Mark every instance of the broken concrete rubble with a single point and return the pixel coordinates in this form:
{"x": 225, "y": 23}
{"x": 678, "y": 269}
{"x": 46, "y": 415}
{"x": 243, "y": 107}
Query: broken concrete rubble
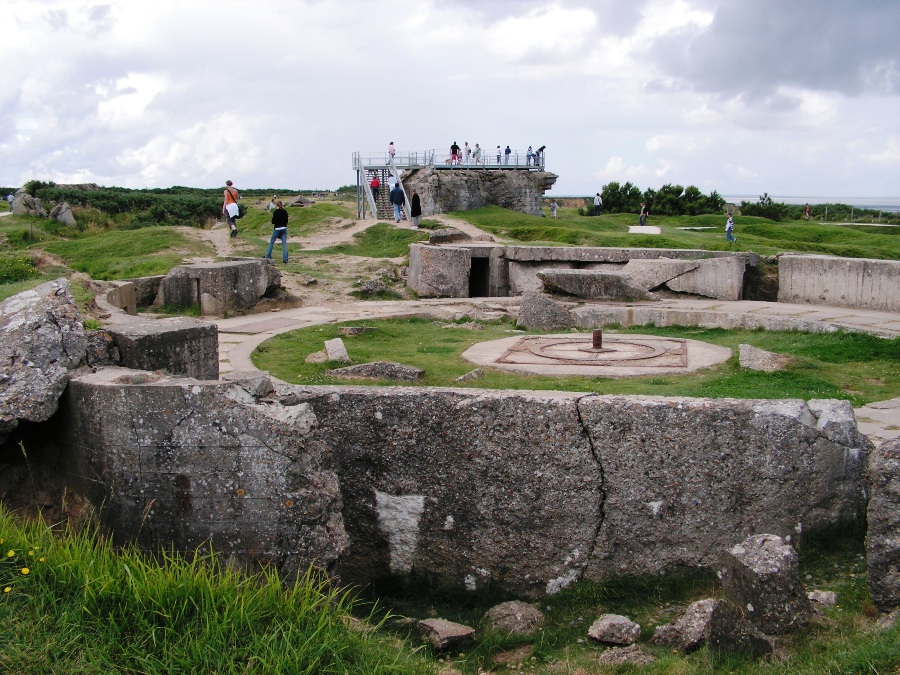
{"x": 219, "y": 288}
{"x": 761, "y": 575}
{"x": 43, "y": 342}
{"x": 614, "y": 629}
{"x": 883, "y": 536}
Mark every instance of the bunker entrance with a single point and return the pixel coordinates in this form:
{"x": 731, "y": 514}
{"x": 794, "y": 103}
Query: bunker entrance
{"x": 479, "y": 275}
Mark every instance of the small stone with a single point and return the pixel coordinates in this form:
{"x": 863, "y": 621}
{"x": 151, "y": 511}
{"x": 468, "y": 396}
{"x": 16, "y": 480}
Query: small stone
{"x": 614, "y": 629}
{"x": 632, "y": 654}
{"x": 753, "y": 358}
{"x": 823, "y": 598}
{"x": 442, "y": 634}
{"x": 471, "y": 375}
{"x": 336, "y": 351}
{"x": 515, "y": 617}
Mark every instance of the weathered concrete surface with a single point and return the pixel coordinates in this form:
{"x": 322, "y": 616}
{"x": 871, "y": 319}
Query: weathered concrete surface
{"x": 442, "y": 634}
{"x": 721, "y": 278}
{"x": 176, "y": 463}
{"x": 650, "y": 274}
{"x": 754, "y": 358}
{"x": 761, "y": 575}
{"x": 525, "y": 491}
{"x": 541, "y": 312}
{"x": 839, "y": 282}
{"x": 460, "y": 190}
{"x": 177, "y": 345}
{"x": 380, "y": 370}
{"x": 123, "y": 296}
{"x": 592, "y": 285}
{"x": 883, "y": 536}
{"x": 41, "y": 342}
{"x": 471, "y": 488}
{"x": 439, "y": 272}
{"x": 684, "y": 478}
{"x": 614, "y": 629}
{"x": 219, "y": 288}
{"x": 523, "y": 277}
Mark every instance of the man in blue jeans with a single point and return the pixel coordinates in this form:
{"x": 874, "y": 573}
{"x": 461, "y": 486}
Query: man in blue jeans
{"x": 397, "y": 200}
{"x": 279, "y": 231}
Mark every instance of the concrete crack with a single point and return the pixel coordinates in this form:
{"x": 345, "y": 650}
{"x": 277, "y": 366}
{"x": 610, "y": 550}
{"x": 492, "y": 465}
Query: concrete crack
{"x": 601, "y": 516}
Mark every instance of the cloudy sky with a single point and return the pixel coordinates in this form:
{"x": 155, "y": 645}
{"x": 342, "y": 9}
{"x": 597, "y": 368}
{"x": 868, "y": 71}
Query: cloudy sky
{"x": 792, "y": 97}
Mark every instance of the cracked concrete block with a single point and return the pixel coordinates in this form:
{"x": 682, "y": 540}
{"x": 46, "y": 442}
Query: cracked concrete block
{"x": 684, "y": 478}
{"x": 177, "y": 345}
{"x": 177, "y": 464}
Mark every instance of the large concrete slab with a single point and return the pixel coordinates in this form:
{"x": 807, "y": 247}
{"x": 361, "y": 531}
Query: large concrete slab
{"x": 839, "y": 282}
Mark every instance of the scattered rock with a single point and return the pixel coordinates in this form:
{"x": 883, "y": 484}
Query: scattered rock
{"x": 614, "y": 629}
{"x": 761, "y": 575}
{"x": 539, "y": 311}
{"x": 883, "y": 536}
{"x": 688, "y": 632}
{"x": 336, "y": 351}
{"x": 632, "y": 654}
{"x": 447, "y": 235}
{"x": 255, "y": 383}
{"x": 442, "y": 634}
{"x": 518, "y": 618}
{"x": 305, "y": 280}
{"x": 888, "y": 621}
{"x": 471, "y": 375}
{"x": 380, "y": 370}
{"x": 63, "y": 214}
{"x": 26, "y": 205}
{"x": 317, "y": 357}
{"x": 730, "y": 633}
{"x": 823, "y": 598}
{"x": 468, "y": 325}
{"x": 372, "y": 286}
{"x": 41, "y": 341}
{"x": 350, "y": 331}
{"x": 753, "y": 358}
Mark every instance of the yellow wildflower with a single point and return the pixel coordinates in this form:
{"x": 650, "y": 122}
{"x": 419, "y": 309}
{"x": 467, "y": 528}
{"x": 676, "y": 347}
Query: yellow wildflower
{"x": 10, "y": 554}
{"x": 7, "y": 589}
{"x": 42, "y": 559}
{"x": 31, "y": 553}
{"x": 25, "y": 570}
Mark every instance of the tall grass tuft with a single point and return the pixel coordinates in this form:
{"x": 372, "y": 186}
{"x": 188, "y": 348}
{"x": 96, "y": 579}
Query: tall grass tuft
{"x": 71, "y": 602}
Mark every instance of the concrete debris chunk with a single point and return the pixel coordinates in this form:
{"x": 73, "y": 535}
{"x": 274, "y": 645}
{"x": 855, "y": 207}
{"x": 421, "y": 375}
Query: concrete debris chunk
{"x": 380, "y": 370}
{"x": 753, "y": 358}
{"x": 618, "y": 656}
{"x": 336, "y": 351}
{"x": 614, "y": 629}
{"x": 761, "y": 576}
{"x": 883, "y": 536}
{"x": 442, "y": 634}
{"x": 516, "y": 617}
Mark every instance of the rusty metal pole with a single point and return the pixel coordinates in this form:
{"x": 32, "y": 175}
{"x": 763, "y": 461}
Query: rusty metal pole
{"x": 597, "y": 339}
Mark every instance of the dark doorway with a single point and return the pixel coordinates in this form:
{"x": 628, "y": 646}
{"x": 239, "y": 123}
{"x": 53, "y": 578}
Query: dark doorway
{"x": 479, "y": 278}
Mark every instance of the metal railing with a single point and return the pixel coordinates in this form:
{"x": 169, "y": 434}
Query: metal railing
{"x": 516, "y": 159}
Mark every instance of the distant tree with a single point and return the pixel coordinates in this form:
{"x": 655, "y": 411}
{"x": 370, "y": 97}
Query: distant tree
{"x": 621, "y": 198}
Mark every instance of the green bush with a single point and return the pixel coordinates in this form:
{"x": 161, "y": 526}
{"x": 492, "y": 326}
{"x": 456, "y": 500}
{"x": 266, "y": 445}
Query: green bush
{"x": 18, "y": 268}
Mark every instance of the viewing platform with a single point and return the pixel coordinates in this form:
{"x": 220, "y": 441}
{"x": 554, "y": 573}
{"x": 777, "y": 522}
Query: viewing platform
{"x": 517, "y": 159}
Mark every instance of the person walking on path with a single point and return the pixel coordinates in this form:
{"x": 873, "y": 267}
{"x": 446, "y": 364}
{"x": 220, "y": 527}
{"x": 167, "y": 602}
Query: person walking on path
{"x": 279, "y": 231}
{"x": 729, "y": 229}
{"x": 415, "y": 209}
{"x": 507, "y": 152}
{"x": 644, "y": 214}
{"x": 807, "y": 212}
{"x": 230, "y": 208}
{"x": 397, "y": 201}
{"x": 374, "y": 185}
{"x": 598, "y": 204}
{"x": 553, "y": 208}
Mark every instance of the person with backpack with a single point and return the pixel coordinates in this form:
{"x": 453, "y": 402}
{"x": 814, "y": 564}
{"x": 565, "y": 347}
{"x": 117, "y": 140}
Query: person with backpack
{"x": 230, "y": 208}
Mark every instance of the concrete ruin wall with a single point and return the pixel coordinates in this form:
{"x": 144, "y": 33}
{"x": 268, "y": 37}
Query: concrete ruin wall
{"x": 527, "y": 491}
{"x": 441, "y": 191}
{"x": 447, "y": 271}
{"x": 178, "y": 345}
{"x": 219, "y": 288}
{"x": 839, "y": 282}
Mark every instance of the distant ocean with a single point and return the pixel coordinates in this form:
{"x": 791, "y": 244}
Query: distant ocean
{"x": 888, "y": 204}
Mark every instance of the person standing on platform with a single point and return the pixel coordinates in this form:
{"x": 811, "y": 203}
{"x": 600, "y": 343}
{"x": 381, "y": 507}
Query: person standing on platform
{"x": 467, "y": 153}
{"x": 499, "y": 153}
{"x": 477, "y": 154}
{"x": 507, "y": 153}
{"x": 454, "y": 153}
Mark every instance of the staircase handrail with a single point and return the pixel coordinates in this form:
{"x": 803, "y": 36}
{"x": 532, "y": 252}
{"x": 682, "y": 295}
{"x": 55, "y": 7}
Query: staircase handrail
{"x": 370, "y": 198}
{"x": 396, "y": 174}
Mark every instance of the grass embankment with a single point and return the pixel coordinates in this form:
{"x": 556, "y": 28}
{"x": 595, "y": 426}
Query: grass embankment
{"x": 71, "y": 603}
{"x": 860, "y": 368}
{"x": 753, "y": 234}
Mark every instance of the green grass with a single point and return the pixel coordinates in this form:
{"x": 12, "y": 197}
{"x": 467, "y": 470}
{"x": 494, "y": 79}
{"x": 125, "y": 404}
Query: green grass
{"x": 128, "y": 253}
{"x": 72, "y": 603}
{"x": 754, "y": 234}
{"x": 843, "y": 641}
{"x": 379, "y": 241}
{"x": 859, "y": 368}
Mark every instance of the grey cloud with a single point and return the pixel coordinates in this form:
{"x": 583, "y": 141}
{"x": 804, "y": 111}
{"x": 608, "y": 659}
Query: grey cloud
{"x": 753, "y": 48}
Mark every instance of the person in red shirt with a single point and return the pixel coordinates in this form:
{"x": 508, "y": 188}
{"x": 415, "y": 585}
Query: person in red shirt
{"x": 375, "y": 184}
